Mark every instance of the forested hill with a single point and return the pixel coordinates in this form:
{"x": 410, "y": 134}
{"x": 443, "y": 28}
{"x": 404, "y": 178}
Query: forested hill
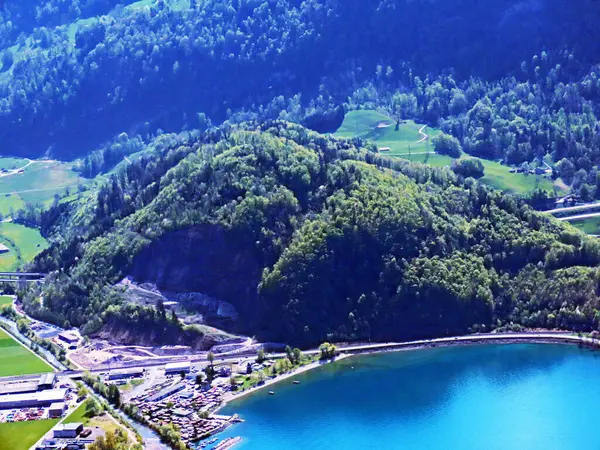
{"x": 312, "y": 238}
{"x": 75, "y": 73}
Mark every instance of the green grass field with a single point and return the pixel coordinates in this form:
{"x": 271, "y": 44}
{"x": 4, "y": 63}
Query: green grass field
{"x": 404, "y": 143}
{"x": 12, "y": 163}
{"x": 401, "y": 142}
{"x": 22, "y": 435}
{"x": 5, "y": 300}
{"x": 499, "y": 177}
{"x": 17, "y": 360}
{"x": 37, "y": 184}
{"x": 78, "y": 415}
{"x": 591, "y": 225}
{"x": 24, "y": 244}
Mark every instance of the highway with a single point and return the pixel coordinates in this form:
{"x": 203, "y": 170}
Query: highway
{"x": 351, "y": 349}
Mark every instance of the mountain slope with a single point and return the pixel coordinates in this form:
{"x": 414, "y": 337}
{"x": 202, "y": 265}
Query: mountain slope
{"x": 314, "y": 238}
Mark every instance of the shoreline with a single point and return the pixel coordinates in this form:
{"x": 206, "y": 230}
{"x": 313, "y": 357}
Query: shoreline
{"x": 475, "y": 339}
{"x": 230, "y": 396}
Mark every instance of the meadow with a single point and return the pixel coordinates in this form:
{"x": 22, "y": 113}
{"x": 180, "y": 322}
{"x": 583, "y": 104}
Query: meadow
{"x": 5, "y": 300}
{"x": 402, "y": 142}
{"x": 23, "y": 435}
{"x": 38, "y": 184}
{"x": 24, "y": 244}
{"x": 103, "y": 421}
{"x": 406, "y": 143}
{"x": 591, "y": 225}
{"x": 18, "y": 360}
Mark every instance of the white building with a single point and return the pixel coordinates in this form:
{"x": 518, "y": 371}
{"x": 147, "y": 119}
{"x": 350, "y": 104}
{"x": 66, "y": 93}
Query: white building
{"x": 33, "y": 400}
{"x": 177, "y": 368}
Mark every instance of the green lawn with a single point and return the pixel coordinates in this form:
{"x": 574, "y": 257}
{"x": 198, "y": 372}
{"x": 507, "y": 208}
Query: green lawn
{"x": 39, "y": 183}
{"x": 78, "y": 415}
{"x": 24, "y": 244}
{"x": 5, "y": 300}
{"x": 591, "y": 225}
{"x": 404, "y": 143}
{"x": 499, "y": 177}
{"x": 22, "y": 435}
{"x": 18, "y": 360}
{"x": 12, "y": 163}
{"x": 401, "y": 142}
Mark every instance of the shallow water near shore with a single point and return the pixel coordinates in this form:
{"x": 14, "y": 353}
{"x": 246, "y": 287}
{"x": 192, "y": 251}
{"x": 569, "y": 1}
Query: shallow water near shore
{"x": 522, "y": 396}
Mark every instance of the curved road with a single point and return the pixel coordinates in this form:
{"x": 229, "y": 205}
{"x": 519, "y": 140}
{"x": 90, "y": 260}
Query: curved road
{"x": 425, "y": 136}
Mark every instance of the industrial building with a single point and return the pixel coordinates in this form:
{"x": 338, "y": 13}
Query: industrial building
{"x": 120, "y": 374}
{"x": 70, "y": 337}
{"x": 21, "y": 387}
{"x": 56, "y": 410}
{"x": 177, "y": 368}
{"x": 167, "y": 392}
{"x": 47, "y": 381}
{"x": 33, "y": 400}
{"x": 67, "y": 430}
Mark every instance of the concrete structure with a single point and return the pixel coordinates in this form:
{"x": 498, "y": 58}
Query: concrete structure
{"x": 47, "y": 381}
{"x": 177, "y": 368}
{"x": 119, "y": 374}
{"x": 33, "y": 400}
{"x": 70, "y": 337}
{"x": 56, "y": 410}
{"x": 67, "y": 430}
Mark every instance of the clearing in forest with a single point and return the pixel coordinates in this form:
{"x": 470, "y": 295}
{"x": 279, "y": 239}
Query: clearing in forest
{"x": 381, "y": 129}
{"x": 407, "y": 142}
{"x": 23, "y": 244}
{"x": 34, "y": 182}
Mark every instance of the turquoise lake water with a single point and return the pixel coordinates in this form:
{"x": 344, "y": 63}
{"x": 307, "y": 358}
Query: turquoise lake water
{"x": 467, "y": 398}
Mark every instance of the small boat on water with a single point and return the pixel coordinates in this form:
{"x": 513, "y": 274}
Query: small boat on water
{"x": 271, "y": 392}
{"x": 296, "y": 382}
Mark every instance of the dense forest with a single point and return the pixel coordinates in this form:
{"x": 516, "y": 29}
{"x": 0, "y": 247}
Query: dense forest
{"x": 77, "y": 75}
{"x": 312, "y": 239}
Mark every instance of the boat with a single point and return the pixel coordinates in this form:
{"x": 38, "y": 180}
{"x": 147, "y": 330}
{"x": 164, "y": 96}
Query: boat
{"x": 271, "y": 392}
{"x": 296, "y": 382}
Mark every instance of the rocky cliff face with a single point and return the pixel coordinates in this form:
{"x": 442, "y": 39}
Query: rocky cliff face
{"x": 206, "y": 259}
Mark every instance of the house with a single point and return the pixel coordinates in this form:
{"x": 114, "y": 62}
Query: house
{"x": 4, "y": 249}
{"x": 67, "y": 430}
{"x": 56, "y": 410}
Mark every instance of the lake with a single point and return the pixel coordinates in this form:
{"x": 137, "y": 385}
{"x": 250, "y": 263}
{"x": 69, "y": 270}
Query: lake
{"x": 525, "y": 396}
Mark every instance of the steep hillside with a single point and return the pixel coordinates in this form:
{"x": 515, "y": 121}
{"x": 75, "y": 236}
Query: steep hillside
{"x": 313, "y": 238}
{"x": 73, "y": 73}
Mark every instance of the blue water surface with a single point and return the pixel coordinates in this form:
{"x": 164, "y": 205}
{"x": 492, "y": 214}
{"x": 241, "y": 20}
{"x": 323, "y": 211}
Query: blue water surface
{"x": 526, "y": 396}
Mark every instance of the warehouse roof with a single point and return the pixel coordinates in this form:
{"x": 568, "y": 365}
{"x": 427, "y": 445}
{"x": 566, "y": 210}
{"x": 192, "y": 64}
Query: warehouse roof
{"x": 178, "y": 365}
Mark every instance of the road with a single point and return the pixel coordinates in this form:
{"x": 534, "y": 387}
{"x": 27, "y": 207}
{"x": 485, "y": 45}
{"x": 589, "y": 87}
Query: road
{"x": 425, "y": 136}
{"x": 40, "y": 190}
{"x": 573, "y": 208}
{"x": 354, "y": 349}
